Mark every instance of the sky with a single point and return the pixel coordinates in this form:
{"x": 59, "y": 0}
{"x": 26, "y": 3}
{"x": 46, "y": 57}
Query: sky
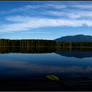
{"x": 44, "y": 19}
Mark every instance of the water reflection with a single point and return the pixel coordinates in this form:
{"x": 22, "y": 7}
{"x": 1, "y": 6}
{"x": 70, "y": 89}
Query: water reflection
{"x": 28, "y": 64}
{"x": 36, "y": 63}
{"x": 77, "y": 54}
{"x": 42, "y": 49}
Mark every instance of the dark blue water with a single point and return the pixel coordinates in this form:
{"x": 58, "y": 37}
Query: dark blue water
{"x": 73, "y": 68}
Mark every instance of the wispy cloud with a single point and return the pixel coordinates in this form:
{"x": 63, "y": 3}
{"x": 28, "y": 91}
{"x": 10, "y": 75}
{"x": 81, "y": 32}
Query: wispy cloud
{"x": 21, "y": 23}
{"x": 85, "y": 6}
{"x": 31, "y": 7}
{"x": 41, "y": 15}
{"x": 71, "y": 14}
{"x": 56, "y": 6}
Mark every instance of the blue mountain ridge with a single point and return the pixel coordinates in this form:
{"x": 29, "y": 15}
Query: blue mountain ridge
{"x": 75, "y": 38}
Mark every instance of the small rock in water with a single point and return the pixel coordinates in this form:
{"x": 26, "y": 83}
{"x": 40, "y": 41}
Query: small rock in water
{"x": 53, "y": 77}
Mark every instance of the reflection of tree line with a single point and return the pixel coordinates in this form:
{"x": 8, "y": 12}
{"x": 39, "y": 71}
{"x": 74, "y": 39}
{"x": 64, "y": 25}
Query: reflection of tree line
{"x": 26, "y": 50}
{"x": 40, "y": 46}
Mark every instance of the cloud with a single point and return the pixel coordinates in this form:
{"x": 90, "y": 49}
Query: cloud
{"x": 84, "y": 6}
{"x": 71, "y": 14}
{"x": 37, "y": 6}
{"x": 23, "y": 23}
{"x": 57, "y": 9}
{"x": 25, "y": 8}
{"x": 56, "y": 6}
{"x": 18, "y": 18}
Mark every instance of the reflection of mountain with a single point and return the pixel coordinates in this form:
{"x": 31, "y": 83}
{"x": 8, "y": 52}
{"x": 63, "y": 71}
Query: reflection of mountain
{"x": 76, "y": 54}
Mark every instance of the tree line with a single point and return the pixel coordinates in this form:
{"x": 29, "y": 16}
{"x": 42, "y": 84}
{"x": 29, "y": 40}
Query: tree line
{"x": 43, "y": 43}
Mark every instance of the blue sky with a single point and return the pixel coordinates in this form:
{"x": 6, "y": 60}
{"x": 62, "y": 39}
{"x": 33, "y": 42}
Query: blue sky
{"x": 44, "y": 19}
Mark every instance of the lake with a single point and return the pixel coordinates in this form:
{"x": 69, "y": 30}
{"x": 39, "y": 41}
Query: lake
{"x": 33, "y": 71}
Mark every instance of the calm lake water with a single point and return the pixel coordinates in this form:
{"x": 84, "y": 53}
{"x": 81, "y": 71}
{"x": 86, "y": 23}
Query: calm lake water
{"x": 29, "y": 71}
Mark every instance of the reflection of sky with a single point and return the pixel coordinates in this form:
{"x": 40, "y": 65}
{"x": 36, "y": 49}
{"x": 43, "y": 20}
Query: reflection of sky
{"x": 19, "y": 64}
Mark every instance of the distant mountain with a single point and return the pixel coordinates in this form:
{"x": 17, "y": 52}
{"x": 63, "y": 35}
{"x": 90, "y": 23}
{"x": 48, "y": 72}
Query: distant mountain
{"x": 75, "y": 38}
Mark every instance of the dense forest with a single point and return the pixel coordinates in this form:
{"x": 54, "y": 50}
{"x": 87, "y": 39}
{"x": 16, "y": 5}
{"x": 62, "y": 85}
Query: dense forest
{"x": 26, "y": 43}
{"x": 41, "y": 43}
{"x": 41, "y": 46}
